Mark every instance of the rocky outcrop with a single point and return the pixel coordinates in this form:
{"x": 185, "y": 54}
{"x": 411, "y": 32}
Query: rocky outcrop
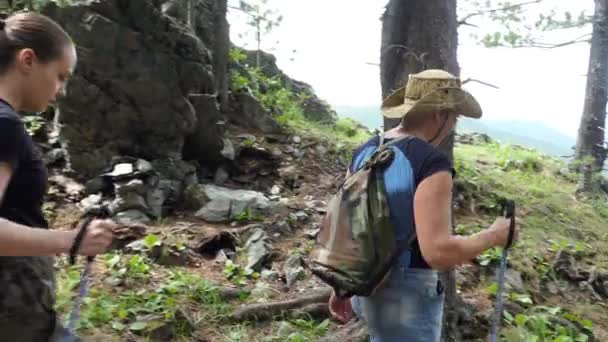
{"x": 140, "y": 88}
{"x": 315, "y": 109}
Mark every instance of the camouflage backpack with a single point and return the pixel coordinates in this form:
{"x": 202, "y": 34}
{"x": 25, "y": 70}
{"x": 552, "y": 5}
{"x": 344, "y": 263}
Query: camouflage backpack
{"x": 357, "y": 245}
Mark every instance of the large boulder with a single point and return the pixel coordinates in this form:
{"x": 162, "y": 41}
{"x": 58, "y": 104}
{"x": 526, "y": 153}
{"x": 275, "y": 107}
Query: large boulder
{"x": 132, "y": 91}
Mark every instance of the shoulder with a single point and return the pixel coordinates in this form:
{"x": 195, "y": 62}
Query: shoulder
{"x": 8, "y": 116}
{"x": 425, "y": 159}
{"x": 371, "y": 142}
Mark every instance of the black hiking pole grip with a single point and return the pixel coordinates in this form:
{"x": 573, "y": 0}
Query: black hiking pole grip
{"x": 508, "y": 209}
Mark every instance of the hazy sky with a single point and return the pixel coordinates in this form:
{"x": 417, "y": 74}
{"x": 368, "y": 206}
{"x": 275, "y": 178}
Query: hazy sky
{"x": 335, "y": 39}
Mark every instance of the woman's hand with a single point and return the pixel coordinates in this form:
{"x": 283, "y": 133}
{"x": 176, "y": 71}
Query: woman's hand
{"x": 97, "y": 238}
{"x": 500, "y": 228}
{"x": 340, "y": 309}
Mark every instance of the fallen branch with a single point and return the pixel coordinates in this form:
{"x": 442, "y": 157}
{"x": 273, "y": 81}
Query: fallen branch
{"x": 299, "y": 306}
{"x": 311, "y": 311}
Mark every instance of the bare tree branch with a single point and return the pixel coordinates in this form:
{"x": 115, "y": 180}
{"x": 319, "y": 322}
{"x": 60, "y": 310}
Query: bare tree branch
{"x": 481, "y": 82}
{"x": 463, "y": 21}
{"x": 586, "y": 38}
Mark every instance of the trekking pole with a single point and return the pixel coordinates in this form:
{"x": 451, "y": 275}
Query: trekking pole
{"x": 508, "y": 209}
{"x": 101, "y": 212}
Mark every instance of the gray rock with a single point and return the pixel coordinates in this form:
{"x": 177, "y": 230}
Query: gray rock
{"x": 220, "y": 204}
{"x": 514, "y": 281}
{"x": 320, "y": 150}
{"x": 121, "y": 169}
{"x": 312, "y": 233}
{"x": 129, "y": 201}
{"x": 217, "y": 210}
{"x": 258, "y": 249}
{"x": 228, "y": 149}
{"x": 298, "y": 153}
{"x": 296, "y": 139}
{"x": 221, "y": 176}
{"x": 317, "y": 205}
{"x": 276, "y": 152}
{"x": 135, "y": 186}
{"x": 269, "y": 275}
{"x": 132, "y": 217}
{"x": 275, "y": 190}
{"x": 282, "y": 227}
{"x": 155, "y": 198}
{"x": 142, "y": 165}
{"x": 147, "y": 111}
{"x": 248, "y": 112}
{"x": 293, "y": 268}
{"x": 301, "y": 216}
{"x": 54, "y": 155}
{"x": 90, "y": 202}
{"x": 166, "y": 193}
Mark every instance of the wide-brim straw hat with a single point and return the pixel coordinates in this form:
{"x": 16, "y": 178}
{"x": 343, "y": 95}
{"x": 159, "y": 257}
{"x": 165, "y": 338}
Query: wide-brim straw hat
{"x": 428, "y": 92}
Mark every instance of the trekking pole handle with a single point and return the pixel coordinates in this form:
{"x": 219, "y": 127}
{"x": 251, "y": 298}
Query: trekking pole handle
{"x": 508, "y": 210}
{"x": 89, "y": 216}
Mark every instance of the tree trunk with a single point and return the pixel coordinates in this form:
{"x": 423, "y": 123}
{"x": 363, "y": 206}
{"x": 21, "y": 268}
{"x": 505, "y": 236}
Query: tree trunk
{"x": 220, "y": 52}
{"x": 418, "y": 35}
{"x": 590, "y": 140}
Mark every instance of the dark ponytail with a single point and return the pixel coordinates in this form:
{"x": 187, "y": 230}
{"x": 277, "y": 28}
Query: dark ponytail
{"x": 34, "y": 31}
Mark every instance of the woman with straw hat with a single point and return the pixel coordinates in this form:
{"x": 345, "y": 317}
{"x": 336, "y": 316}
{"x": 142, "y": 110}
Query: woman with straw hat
{"x": 409, "y": 306}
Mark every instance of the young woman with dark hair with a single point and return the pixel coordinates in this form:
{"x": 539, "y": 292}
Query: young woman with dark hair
{"x": 36, "y": 59}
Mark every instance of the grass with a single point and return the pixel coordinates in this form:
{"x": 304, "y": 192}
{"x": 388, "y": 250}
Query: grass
{"x": 145, "y": 303}
{"x": 551, "y": 218}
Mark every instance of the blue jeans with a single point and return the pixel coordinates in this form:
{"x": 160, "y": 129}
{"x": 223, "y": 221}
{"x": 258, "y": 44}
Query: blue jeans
{"x": 408, "y": 307}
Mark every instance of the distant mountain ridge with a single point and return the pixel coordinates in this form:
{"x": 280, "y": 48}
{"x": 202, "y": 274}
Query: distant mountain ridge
{"x": 529, "y": 134}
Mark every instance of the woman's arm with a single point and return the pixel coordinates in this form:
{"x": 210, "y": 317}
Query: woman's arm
{"x": 19, "y": 240}
{"x": 441, "y": 249}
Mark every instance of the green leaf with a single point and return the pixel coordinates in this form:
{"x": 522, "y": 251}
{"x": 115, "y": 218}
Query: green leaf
{"x": 324, "y": 325}
{"x": 493, "y": 289}
{"x": 586, "y": 323}
{"x": 151, "y": 240}
{"x": 138, "y": 326}
{"x": 112, "y": 261}
{"x": 521, "y": 319}
{"x": 118, "y": 326}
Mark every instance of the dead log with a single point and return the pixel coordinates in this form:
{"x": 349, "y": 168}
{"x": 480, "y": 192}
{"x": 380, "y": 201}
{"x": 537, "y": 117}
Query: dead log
{"x": 265, "y": 311}
{"x": 353, "y": 331}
